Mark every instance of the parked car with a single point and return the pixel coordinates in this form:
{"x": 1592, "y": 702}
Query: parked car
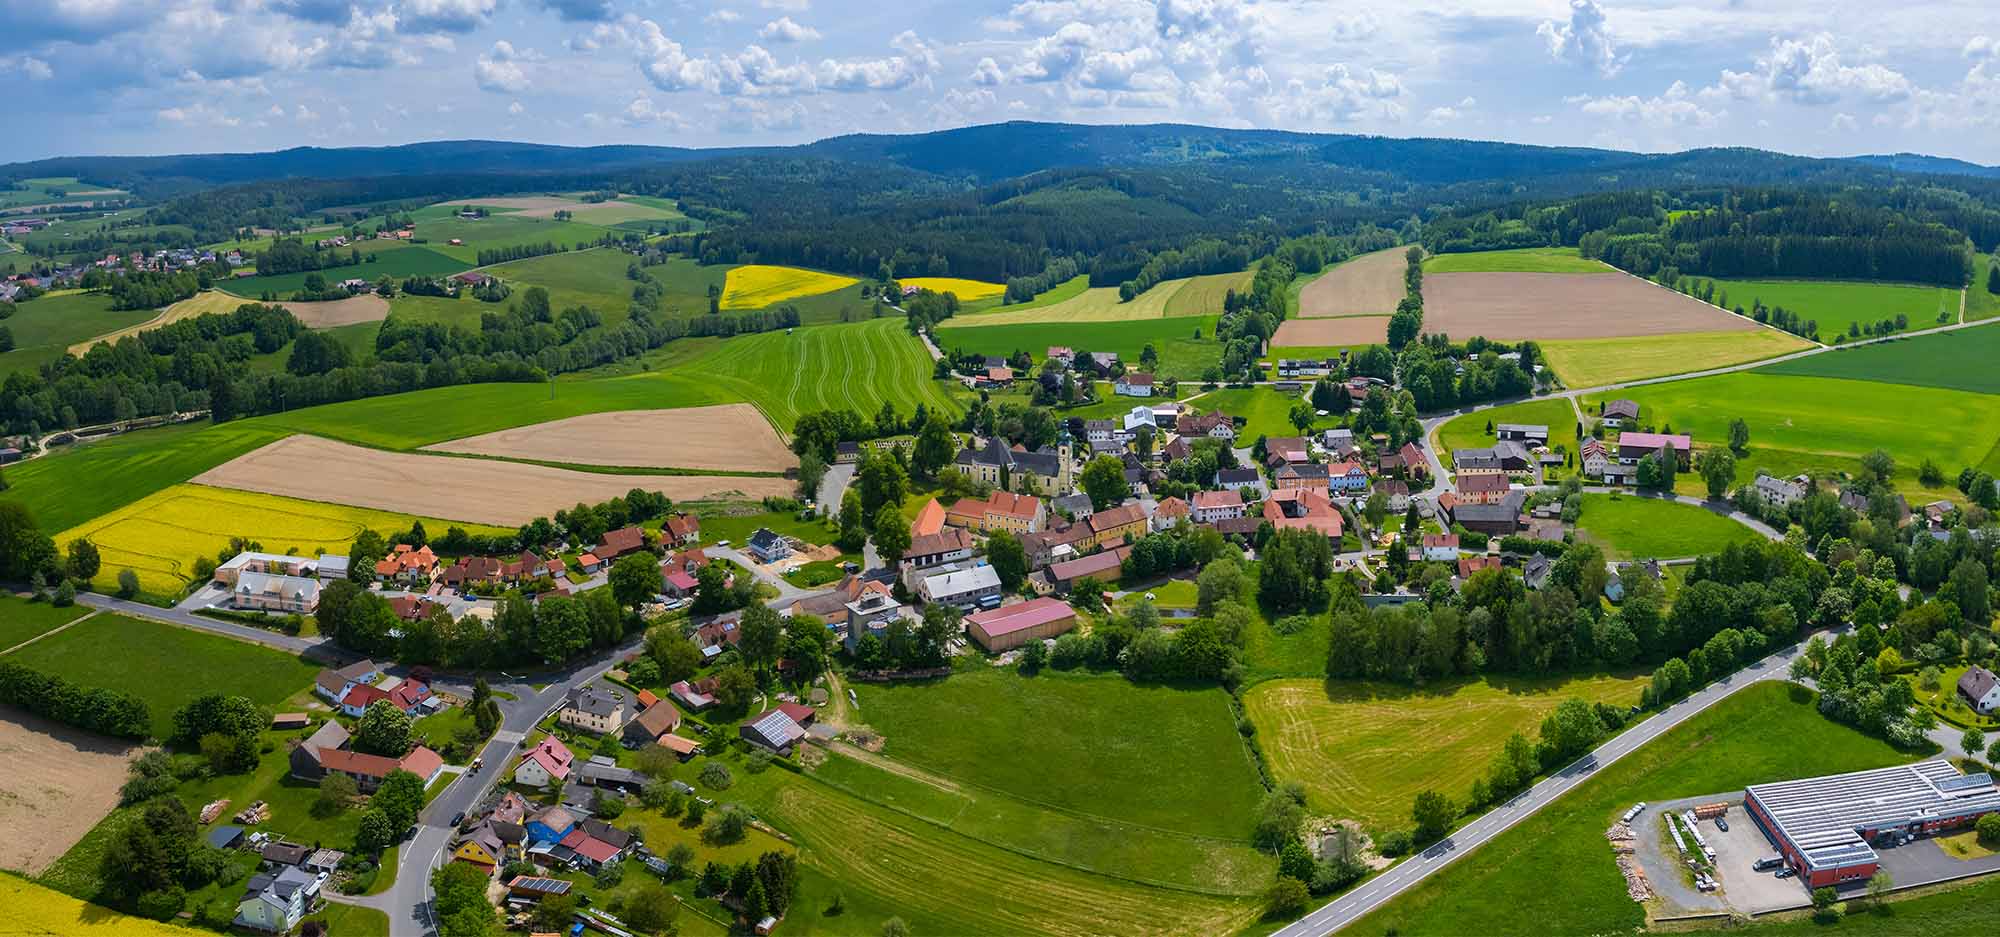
{"x": 1767, "y": 863}
{"x": 458, "y": 818}
{"x": 1787, "y": 872}
{"x": 1722, "y": 824}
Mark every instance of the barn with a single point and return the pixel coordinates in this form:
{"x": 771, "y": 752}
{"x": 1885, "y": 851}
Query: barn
{"x": 1011, "y": 626}
{"x": 1827, "y": 827}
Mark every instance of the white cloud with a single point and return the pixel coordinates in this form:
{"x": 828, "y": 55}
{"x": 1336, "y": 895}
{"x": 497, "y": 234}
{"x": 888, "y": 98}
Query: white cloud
{"x": 791, "y": 6}
{"x": 1676, "y": 107}
{"x": 1343, "y": 95}
{"x": 1583, "y": 39}
{"x": 722, "y": 15}
{"x": 1812, "y": 72}
{"x": 449, "y": 15}
{"x": 987, "y": 73}
{"x": 785, "y": 29}
{"x": 500, "y": 71}
{"x": 198, "y": 114}
{"x": 1445, "y": 114}
{"x": 1843, "y": 122}
{"x": 27, "y": 65}
{"x": 1981, "y": 47}
{"x": 516, "y": 109}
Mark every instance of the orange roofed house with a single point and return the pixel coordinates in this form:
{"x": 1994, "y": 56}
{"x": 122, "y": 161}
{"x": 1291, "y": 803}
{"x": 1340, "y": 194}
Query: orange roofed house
{"x": 410, "y": 565}
{"x": 1303, "y": 509}
{"x": 1003, "y": 510}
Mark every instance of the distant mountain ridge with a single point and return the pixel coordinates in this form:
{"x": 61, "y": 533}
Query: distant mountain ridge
{"x": 989, "y": 152}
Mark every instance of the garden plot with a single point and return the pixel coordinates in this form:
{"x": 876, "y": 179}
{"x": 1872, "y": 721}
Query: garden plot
{"x": 478, "y": 490}
{"x": 1509, "y": 307}
{"x": 729, "y": 437}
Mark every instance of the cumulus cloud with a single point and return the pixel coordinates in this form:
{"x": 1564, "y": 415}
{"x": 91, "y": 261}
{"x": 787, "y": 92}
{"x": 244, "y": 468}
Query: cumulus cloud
{"x": 456, "y": 16}
{"x": 1342, "y": 95}
{"x": 790, "y": 6}
{"x": 516, "y": 109}
{"x": 587, "y": 11}
{"x": 1444, "y": 114}
{"x": 1981, "y": 47}
{"x": 198, "y": 114}
{"x": 987, "y": 73}
{"x": 32, "y": 68}
{"x": 1843, "y": 122}
{"x": 756, "y": 71}
{"x": 1812, "y": 72}
{"x": 500, "y": 71}
{"x": 785, "y": 29}
{"x": 1583, "y": 39}
{"x": 1677, "y": 106}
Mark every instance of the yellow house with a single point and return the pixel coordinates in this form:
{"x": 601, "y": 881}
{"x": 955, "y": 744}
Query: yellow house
{"x": 481, "y": 847}
{"x": 1109, "y": 528}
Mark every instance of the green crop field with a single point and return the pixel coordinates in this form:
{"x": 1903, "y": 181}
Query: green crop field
{"x": 1469, "y": 431}
{"x": 1961, "y": 359}
{"x": 1765, "y": 732}
{"x": 1835, "y": 304}
{"x": 1062, "y": 292}
{"x": 44, "y": 328}
{"x": 594, "y": 278}
{"x": 1652, "y": 528}
{"x": 165, "y": 665}
{"x": 1818, "y": 424}
{"x": 1182, "y": 355}
{"x": 855, "y": 367}
{"x": 159, "y": 536}
{"x": 1093, "y": 744}
{"x": 1265, "y": 412}
{"x": 122, "y": 469}
{"x": 1364, "y": 750}
{"x": 397, "y": 262}
{"x": 1595, "y": 362}
{"x": 501, "y": 229}
{"x": 1979, "y": 302}
{"x": 1191, "y": 296}
{"x": 21, "y": 620}
{"x": 1523, "y": 260}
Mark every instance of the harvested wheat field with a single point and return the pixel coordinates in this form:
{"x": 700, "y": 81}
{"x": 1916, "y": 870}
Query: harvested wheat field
{"x": 59, "y": 782}
{"x": 477, "y": 490}
{"x": 526, "y": 206}
{"x": 732, "y": 437}
{"x": 354, "y": 310}
{"x": 1344, "y": 330}
{"x": 1509, "y": 307}
{"x": 1371, "y": 284}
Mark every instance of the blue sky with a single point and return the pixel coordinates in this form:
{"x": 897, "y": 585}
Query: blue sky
{"x": 132, "y": 76}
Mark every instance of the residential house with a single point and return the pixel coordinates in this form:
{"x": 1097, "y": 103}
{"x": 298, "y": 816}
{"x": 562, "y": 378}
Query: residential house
{"x": 1498, "y": 519}
{"x": 965, "y": 588}
{"x": 1396, "y": 491}
{"x": 1002, "y": 510}
{"x": 1531, "y": 434}
{"x": 718, "y": 631}
{"x": 1594, "y": 458}
{"x": 593, "y": 710}
{"x": 1310, "y": 476}
{"x": 1011, "y": 626}
{"x": 870, "y": 612}
{"x": 1414, "y": 464}
{"x": 1620, "y": 413}
{"x": 678, "y": 583}
{"x": 1283, "y": 449}
{"x": 1113, "y": 526}
{"x": 1075, "y": 505}
{"x": 1482, "y": 489}
{"x": 1777, "y": 491}
{"x": 774, "y": 730}
{"x": 1100, "y": 432}
{"x": 1061, "y": 354}
{"x": 1466, "y": 462}
{"x": 1467, "y": 565}
{"x": 949, "y": 545}
{"x": 1055, "y": 544}
{"x": 1339, "y": 442}
{"x": 768, "y": 547}
{"x": 268, "y": 563}
{"x": 682, "y": 529}
{"x": 1214, "y": 424}
{"x": 656, "y": 720}
{"x": 1134, "y": 384}
{"x": 263, "y": 592}
{"x": 1303, "y": 509}
{"x": 275, "y": 903}
{"x": 1233, "y": 479}
{"x": 1176, "y": 449}
{"x": 550, "y": 824}
{"x": 1634, "y": 446}
{"x": 1346, "y": 477}
{"x": 325, "y": 752}
{"x": 1440, "y": 548}
{"x": 846, "y": 452}
{"x": 482, "y": 847}
{"x": 1980, "y": 689}
{"x": 1170, "y": 512}
{"x": 334, "y": 684}
{"x": 548, "y": 763}
{"x": 695, "y": 698}
{"x": 1535, "y": 572}
{"x": 1212, "y": 506}
{"x": 998, "y": 466}
{"x": 412, "y": 566}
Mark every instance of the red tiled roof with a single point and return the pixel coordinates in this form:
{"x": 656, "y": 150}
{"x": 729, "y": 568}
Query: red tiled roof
{"x": 1171, "y": 507}
{"x": 363, "y": 696}
{"x": 1483, "y": 483}
{"x": 621, "y": 541}
{"x": 1207, "y": 500}
{"x": 1120, "y": 516}
{"x": 800, "y": 712}
{"x": 647, "y": 699}
{"x": 1440, "y": 540}
{"x": 930, "y": 519}
{"x": 1010, "y": 504}
{"x": 1467, "y": 565}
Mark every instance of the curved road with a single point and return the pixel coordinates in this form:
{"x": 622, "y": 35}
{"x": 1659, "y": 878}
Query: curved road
{"x": 1377, "y": 891}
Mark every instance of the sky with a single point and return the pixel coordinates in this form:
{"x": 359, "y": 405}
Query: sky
{"x": 90, "y": 77}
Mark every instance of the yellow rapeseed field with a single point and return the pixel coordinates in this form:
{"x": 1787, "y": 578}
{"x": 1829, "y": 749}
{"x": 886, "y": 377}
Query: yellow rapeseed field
{"x": 755, "y": 286}
{"x": 160, "y": 535}
{"x": 45, "y": 912}
{"x": 965, "y": 290}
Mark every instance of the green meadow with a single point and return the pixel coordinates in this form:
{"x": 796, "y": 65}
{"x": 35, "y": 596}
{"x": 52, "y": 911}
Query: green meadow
{"x": 1630, "y": 527}
{"x": 1187, "y": 345}
{"x": 1835, "y": 304}
{"x": 1522, "y": 260}
{"x": 1961, "y": 359}
{"x": 44, "y": 328}
{"x": 396, "y": 262}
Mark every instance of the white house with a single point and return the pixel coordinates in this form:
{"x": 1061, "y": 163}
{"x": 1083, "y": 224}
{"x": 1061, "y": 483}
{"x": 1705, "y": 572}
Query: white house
{"x": 1777, "y": 491}
{"x": 1441, "y": 548}
{"x": 1212, "y": 506}
{"x": 1134, "y": 384}
{"x": 1981, "y": 690}
{"x": 275, "y": 903}
{"x": 965, "y": 588}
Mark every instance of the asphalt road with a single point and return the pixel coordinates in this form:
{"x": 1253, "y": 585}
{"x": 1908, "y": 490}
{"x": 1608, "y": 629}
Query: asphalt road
{"x": 1379, "y": 890}
{"x": 319, "y": 648}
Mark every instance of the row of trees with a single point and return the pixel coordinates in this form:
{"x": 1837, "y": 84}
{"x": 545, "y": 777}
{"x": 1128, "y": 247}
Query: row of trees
{"x": 110, "y": 712}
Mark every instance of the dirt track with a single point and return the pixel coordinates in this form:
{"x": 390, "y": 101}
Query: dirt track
{"x": 478, "y": 490}
{"x": 1349, "y": 330}
{"x": 1509, "y": 307}
{"x": 730, "y": 437}
{"x": 58, "y": 783}
{"x": 1370, "y": 283}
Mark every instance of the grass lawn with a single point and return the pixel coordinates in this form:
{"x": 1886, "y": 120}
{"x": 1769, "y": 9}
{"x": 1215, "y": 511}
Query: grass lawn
{"x": 1187, "y": 345}
{"x": 1946, "y": 702}
{"x": 1835, "y": 304}
{"x": 1265, "y": 412}
{"x": 1189, "y": 296}
{"x": 1522, "y": 260}
{"x": 1967, "y": 909}
{"x": 817, "y": 573}
{"x": 358, "y": 339}
{"x": 159, "y": 536}
{"x": 463, "y": 312}
{"x": 1594, "y": 362}
{"x": 1979, "y": 302}
{"x": 1957, "y": 360}
{"x": 735, "y": 523}
{"x": 1824, "y": 424}
{"x": 1469, "y": 430}
{"x": 45, "y": 327}
{"x": 1086, "y": 743}
{"x": 1364, "y": 750}
{"x": 1766, "y": 732}
{"x": 124, "y": 468}
{"x": 21, "y": 620}
{"x": 437, "y": 225}
{"x": 346, "y": 920}
{"x": 164, "y": 665}
{"x": 1649, "y": 528}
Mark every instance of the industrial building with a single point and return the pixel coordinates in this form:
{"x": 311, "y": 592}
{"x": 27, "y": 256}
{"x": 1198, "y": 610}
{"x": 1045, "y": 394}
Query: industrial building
{"x": 1827, "y": 828}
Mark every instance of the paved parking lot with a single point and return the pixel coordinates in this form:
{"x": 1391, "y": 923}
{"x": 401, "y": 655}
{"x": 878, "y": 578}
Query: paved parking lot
{"x": 1743, "y": 888}
{"x": 1924, "y": 861}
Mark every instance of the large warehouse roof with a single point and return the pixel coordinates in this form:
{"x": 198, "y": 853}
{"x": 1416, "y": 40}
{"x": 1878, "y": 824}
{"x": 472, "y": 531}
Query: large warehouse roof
{"x": 1823, "y": 817}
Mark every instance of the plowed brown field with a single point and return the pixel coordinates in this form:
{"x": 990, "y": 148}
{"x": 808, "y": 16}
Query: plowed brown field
{"x": 732, "y": 437}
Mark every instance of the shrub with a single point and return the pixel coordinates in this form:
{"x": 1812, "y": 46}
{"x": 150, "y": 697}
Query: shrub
{"x": 163, "y": 904}
{"x": 758, "y": 761}
{"x": 1393, "y": 843}
{"x": 1286, "y": 898}
{"x": 715, "y": 775}
{"x": 1291, "y": 624}
{"x": 1989, "y": 830}
{"x": 128, "y": 583}
{"x": 65, "y": 595}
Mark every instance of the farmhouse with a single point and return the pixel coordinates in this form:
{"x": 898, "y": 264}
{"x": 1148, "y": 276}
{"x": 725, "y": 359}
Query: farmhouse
{"x": 1594, "y": 458}
{"x": 325, "y": 752}
{"x": 1303, "y": 509}
{"x": 1413, "y": 462}
{"x": 1466, "y": 462}
{"x": 1286, "y": 449}
{"x": 964, "y": 588}
{"x": 593, "y": 710}
{"x": 1777, "y": 491}
{"x": 1214, "y": 424}
{"x": 1340, "y": 442}
{"x": 1212, "y": 506}
{"x": 1620, "y": 412}
{"x": 1055, "y": 544}
{"x": 1635, "y": 446}
{"x": 1170, "y": 512}
{"x": 949, "y": 545}
{"x": 1981, "y": 690}
{"x": 1134, "y": 384}
{"x": 1467, "y": 565}
{"x": 870, "y": 612}
{"x": 1825, "y": 827}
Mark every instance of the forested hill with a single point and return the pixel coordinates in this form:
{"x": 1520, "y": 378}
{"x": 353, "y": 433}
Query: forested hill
{"x": 994, "y": 152}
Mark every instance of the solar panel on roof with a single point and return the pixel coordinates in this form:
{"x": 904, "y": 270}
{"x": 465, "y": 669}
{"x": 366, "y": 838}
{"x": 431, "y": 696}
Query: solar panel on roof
{"x": 1966, "y": 783}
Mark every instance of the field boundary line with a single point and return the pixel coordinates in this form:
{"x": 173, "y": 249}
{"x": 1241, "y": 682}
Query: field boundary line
{"x": 65, "y": 626}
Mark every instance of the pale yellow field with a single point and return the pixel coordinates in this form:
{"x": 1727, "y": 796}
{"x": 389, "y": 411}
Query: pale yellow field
{"x": 160, "y": 535}
{"x": 965, "y": 290}
{"x": 198, "y": 304}
{"x": 756, "y": 286}
{"x": 1595, "y": 362}
{"x": 34, "y": 911}
{"x": 1192, "y": 296}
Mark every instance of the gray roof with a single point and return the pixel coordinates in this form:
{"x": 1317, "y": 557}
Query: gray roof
{"x": 764, "y": 537}
{"x": 1078, "y": 503}
{"x": 1822, "y": 816}
{"x": 996, "y": 453}
{"x": 1464, "y": 459}
{"x": 776, "y": 729}
{"x": 594, "y": 701}
{"x": 1977, "y": 682}
{"x": 1508, "y": 508}
{"x": 959, "y": 582}
{"x": 222, "y": 837}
